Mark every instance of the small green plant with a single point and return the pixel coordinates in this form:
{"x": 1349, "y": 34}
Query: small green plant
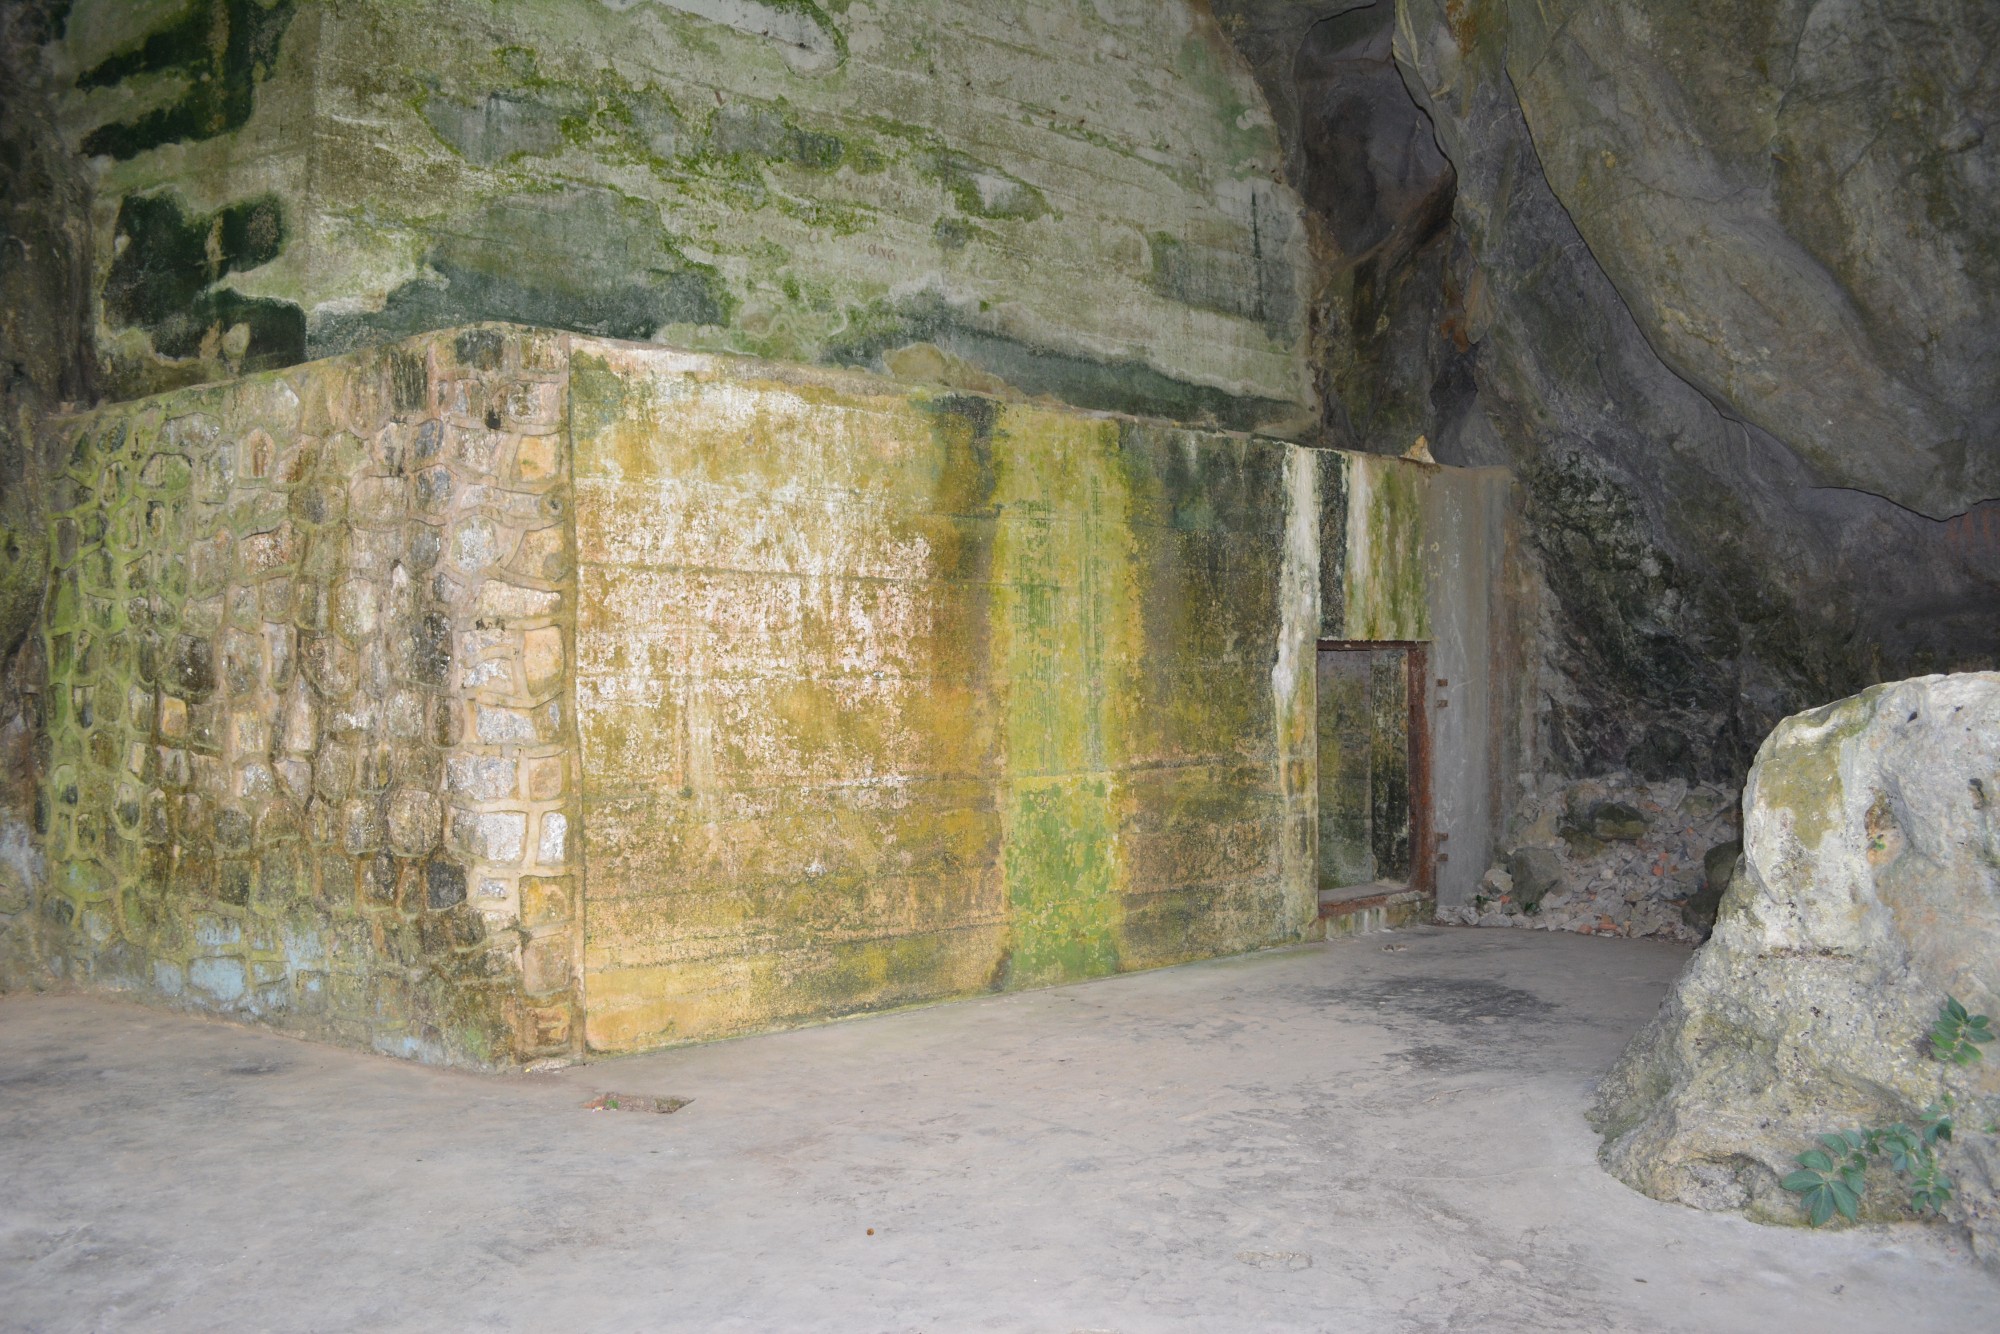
{"x": 1831, "y": 1179}
{"x": 1956, "y": 1035}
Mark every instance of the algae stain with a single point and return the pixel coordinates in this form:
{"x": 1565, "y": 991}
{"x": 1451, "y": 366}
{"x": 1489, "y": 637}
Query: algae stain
{"x": 1799, "y": 768}
{"x": 1385, "y": 590}
{"x": 1061, "y": 881}
{"x": 1062, "y": 598}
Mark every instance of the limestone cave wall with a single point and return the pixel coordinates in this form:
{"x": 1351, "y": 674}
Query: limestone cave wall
{"x": 1708, "y": 279}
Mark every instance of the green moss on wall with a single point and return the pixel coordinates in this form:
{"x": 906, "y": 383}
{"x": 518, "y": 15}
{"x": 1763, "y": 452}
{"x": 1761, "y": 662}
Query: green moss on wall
{"x": 1385, "y": 592}
{"x": 217, "y": 50}
{"x": 688, "y": 164}
{"x": 1127, "y": 387}
{"x": 1005, "y": 722}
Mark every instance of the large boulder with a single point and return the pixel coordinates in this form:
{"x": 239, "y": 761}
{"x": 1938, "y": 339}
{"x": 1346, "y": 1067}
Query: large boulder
{"x": 1868, "y": 891}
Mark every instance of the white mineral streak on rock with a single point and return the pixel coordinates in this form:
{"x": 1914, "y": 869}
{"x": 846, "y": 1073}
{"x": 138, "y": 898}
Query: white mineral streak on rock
{"x": 1292, "y": 674}
{"x": 806, "y": 45}
{"x": 1298, "y": 598}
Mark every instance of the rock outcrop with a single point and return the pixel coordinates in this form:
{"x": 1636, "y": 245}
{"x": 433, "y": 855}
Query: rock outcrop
{"x": 1868, "y": 891}
{"x": 1709, "y": 288}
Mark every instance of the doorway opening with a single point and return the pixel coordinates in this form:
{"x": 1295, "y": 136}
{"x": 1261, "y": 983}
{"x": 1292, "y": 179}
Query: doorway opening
{"x": 1376, "y": 848}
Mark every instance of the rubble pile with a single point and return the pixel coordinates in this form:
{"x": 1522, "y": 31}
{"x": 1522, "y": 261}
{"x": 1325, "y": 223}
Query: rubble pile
{"x": 1615, "y": 856}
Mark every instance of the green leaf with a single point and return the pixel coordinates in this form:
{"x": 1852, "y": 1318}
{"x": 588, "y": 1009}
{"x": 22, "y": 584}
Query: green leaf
{"x": 1845, "y": 1198}
{"x": 1816, "y": 1160}
{"x": 1839, "y": 1143}
{"x": 1801, "y": 1182}
{"x": 1819, "y": 1205}
{"x": 1954, "y": 1009}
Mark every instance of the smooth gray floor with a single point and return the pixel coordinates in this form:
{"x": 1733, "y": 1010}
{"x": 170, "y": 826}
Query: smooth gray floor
{"x": 1376, "y": 1134}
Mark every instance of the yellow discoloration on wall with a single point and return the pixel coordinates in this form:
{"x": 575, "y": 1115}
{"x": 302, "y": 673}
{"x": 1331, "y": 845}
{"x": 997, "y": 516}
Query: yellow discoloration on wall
{"x": 1061, "y": 631}
{"x": 886, "y": 697}
{"x": 874, "y": 696}
{"x": 1798, "y": 769}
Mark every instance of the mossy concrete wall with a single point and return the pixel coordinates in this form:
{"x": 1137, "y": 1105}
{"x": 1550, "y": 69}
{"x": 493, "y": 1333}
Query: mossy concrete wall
{"x": 886, "y": 696}
{"x": 500, "y": 692}
{"x": 1415, "y": 552}
{"x": 1077, "y": 200}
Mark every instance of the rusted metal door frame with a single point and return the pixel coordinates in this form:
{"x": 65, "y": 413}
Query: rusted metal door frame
{"x": 1424, "y": 840}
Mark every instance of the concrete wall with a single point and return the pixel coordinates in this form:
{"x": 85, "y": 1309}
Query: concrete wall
{"x": 1082, "y": 200}
{"x": 1412, "y": 551}
{"x": 441, "y": 696}
{"x": 887, "y": 696}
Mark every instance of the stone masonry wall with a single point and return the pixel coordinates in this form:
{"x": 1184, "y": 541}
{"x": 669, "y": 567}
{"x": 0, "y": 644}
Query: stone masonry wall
{"x": 309, "y": 744}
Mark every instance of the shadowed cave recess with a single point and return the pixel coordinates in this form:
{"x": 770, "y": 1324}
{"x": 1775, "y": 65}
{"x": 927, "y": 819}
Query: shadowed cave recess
{"x": 1735, "y": 355}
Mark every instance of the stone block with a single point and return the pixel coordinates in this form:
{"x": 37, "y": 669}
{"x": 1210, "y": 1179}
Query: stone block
{"x": 482, "y": 777}
{"x": 476, "y": 545}
{"x": 475, "y": 450}
{"x": 222, "y": 979}
{"x": 295, "y": 777}
{"x": 547, "y": 899}
{"x": 546, "y": 777}
{"x": 378, "y": 500}
{"x": 499, "y": 837}
{"x": 1536, "y": 873}
{"x": 542, "y": 657}
{"x": 360, "y": 827}
{"x": 1615, "y": 821}
{"x": 552, "y": 848}
{"x": 355, "y": 605}
{"x": 415, "y": 823}
{"x": 532, "y": 405}
{"x": 502, "y": 601}
{"x": 434, "y": 490}
{"x": 542, "y": 554}
{"x": 403, "y": 716}
{"x": 546, "y": 964}
{"x": 548, "y": 1026}
{"x": 537, "y": 459}
{"x": 444, "y": 884}
{"x": 497, "y": 726}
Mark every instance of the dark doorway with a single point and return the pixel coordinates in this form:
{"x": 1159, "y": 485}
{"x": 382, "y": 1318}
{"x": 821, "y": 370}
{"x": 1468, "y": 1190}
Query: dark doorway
{"x": 1374, "y": 818}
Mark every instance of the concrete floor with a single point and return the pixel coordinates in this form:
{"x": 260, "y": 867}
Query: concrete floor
{"x": 1376, "y": 1134}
